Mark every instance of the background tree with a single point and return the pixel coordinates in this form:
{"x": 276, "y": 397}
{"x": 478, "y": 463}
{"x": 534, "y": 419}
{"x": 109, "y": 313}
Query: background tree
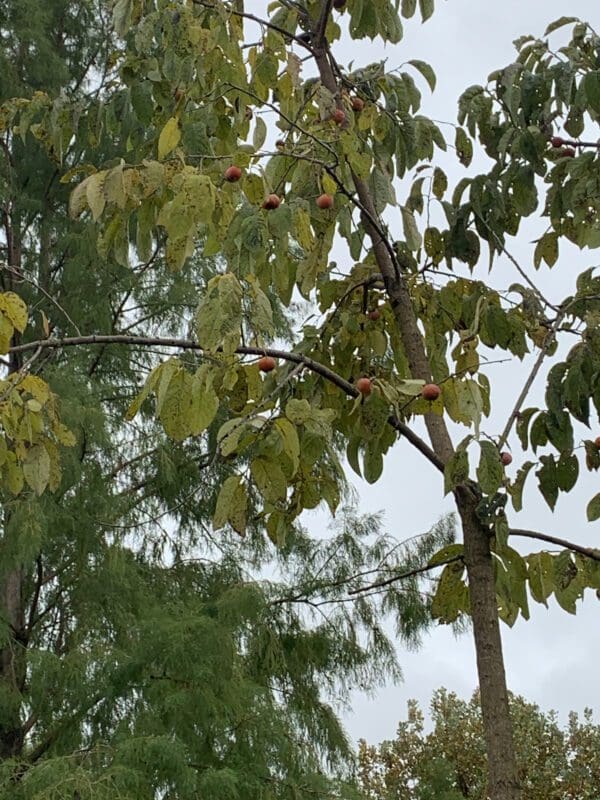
{"x": 400, "y": 329}
{"x": 554, "y": 763}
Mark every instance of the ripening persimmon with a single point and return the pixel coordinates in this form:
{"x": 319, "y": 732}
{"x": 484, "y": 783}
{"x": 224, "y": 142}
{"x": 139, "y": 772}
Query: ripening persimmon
{"x": 272, "y": 201}
{"x": 339, "y": 116}
{"x": 232, "y": 174}
{"x": 364, "y": 386}
{"x": 431, "y": 391}
{"x": 325, "y": 201}
{"x": 267, "y": 364}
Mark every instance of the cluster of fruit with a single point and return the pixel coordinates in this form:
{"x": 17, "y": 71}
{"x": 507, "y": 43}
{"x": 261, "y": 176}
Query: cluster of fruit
{"x": 324, "y": 201}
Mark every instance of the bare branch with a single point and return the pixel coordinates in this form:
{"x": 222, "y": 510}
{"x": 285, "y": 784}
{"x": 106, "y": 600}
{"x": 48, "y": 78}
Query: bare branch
{"x": 588, "y": 552}
{"x": 550, "y": 336}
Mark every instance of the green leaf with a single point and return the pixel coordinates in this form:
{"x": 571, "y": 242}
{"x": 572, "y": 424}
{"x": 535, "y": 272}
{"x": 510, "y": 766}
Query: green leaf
{"x": 456, "y": 470}
{"x": 559, "y": 23}
{"x": 439, "y": 183}
{"x": 464, "y": 147}
{"x": 426, "y": 7}
{"x": 591, "y": 86}
{"x": 411, "y": 231}
{"x": 372, "y": 462}
{"x": 122, "y": 13}
{"x": 174, "y": 412}
{"x": 253, "y": 186}
{"x": 352, "y": 450}
{"x": 298, "y": 411}
{"x": 289, "y": 438}
{"x": 548, "y": 480}
{"x": 523, "y": 421}
{"x": 434, "y": 245}
{"x": 541, "y": 576}
{"x": 593, "y": 508}
{"x": 36, "y": 468}
{"x": 151, "y": 383}
{"x": 204, "y": 400}
{"x": 452, "y": 595}
{"x": 169, "y": 138}
{"x": 516, "y": 488}
{"x": 489, "y": 472}
{"x": 446, "y": 554}
{"x": 408, "y": 8}
{"x": 94, "y": 192}
{"x": 425, "y": 70}
{"x": 260, "y": 133}
{"x": 546, "y": 249}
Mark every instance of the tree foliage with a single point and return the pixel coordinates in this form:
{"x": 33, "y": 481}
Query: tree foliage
{"x": 555, "y": 763}
{"x": 141, "y": 255}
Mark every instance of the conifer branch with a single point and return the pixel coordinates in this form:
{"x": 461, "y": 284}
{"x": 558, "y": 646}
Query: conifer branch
{"x": 403, "y": 575}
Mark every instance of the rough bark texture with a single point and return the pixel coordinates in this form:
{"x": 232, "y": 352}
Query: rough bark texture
{"x": 12, "y": 614}
{"x": 502, "y": 767}
{"x": 11, "y": 664}
{"x": 503, "y": 780}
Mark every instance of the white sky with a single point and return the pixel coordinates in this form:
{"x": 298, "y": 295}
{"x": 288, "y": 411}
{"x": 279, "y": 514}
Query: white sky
{"x": 551, "y": 659}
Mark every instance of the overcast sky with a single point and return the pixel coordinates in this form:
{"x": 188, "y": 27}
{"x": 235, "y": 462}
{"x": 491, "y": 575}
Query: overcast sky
{"x": 553, "y": 658}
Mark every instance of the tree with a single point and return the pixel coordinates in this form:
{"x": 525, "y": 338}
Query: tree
{"x": 141, "y": 655}
{"x": 449, "y": 762}
{"x": 194, "y": 92}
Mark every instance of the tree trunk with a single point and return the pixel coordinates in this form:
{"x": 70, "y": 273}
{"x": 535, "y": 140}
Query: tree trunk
{"x": 12, "y": 672}
{"x": 502, "y": 768}
{"x": 503, "y": 780}
{"x": 12, "y": 614}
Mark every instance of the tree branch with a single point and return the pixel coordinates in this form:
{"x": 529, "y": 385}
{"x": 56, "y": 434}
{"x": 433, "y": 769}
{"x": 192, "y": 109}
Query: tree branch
{"x": 410, "y": 574}
{"x": 530, "y": 379}
{"x": 188, "y": 344}
{"x": 588, "y": 552}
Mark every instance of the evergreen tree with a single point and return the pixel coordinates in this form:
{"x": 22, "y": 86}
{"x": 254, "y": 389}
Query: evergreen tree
{"x": 143, "y": 655}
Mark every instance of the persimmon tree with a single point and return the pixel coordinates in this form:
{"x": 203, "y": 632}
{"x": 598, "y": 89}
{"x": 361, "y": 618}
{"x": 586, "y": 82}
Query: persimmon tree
{"x": 400, "y": 329}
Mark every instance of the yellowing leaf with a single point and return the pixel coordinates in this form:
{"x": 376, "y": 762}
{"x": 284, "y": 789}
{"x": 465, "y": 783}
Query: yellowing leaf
{"x": 205, "y": 402}
{"x": 6, "y": 334}
{"x": 14, "y": 477}
{"x": 176, "y": 405}
{"x": 169, "y": 138}
{"x": 290, "y": 441}
{"x": 36, "y": 387}
{"x": 94, "y": 192}
{"x": 219, "y": 315}
{"x": 36, "y": 468}
{"x": 231, "y": 505}
{"x": 15, "y": 309}
{"x": 269, "y": 479}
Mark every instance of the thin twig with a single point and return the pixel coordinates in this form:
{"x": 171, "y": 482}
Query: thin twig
{"x": 514, "y": 414}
